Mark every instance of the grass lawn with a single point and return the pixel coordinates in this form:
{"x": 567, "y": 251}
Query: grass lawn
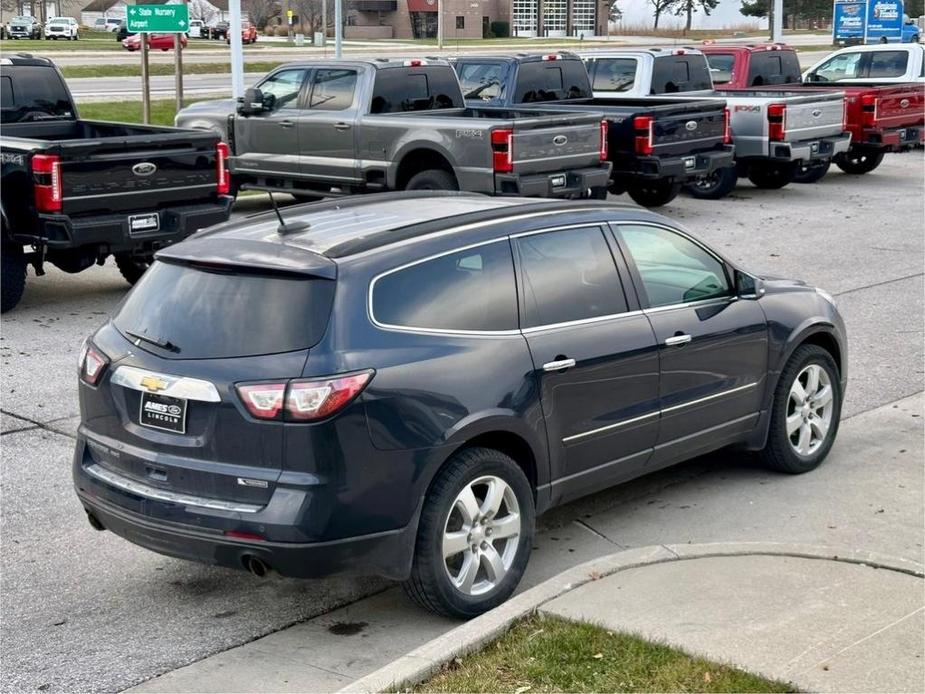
{"x": 132, "y": 70}
{"x": 544, "y": 654}
{"x": 162, "y": 111}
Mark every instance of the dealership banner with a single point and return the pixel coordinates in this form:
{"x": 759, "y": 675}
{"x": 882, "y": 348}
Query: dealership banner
{"x": 849, "y": 19}
{"x": 884, "y": 18}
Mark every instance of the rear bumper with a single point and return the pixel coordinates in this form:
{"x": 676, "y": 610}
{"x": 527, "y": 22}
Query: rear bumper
{"x": 811, "y": 150}
{"x": 682, "y": 168}
{"x": 175, "y": 223}
{"x": 893, "y": 139}
{"x": 575, "y": 183}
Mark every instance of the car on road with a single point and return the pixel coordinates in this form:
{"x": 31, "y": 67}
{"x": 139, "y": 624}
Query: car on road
{"x": 107, "y": 24}
{"x": 24, "y": 28}
{"x": 62, "y": 28}
{"x": 248, "y": 33}
{"x": 327, "y": 127}
{"x": 219, "y": 30}
{"x": 122, "y": 32}
{"x": 75, "y": 191}
{"x": 398, "y": 384}
{"x": 874, "y": 64}
{"x": 163, "y": 42}
{"x": 197, "y": 29}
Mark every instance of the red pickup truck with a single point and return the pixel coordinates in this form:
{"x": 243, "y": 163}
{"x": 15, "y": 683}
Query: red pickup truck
{"x": 880, "y": 118}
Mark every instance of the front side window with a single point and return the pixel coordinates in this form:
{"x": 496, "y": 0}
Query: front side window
{"x": 840, "y": 67}
{"x": 470, "y": 290}
{"x": 568, "y": 275}
{"x": 888, "y": 63}
{"x": 332, "y": 90}
{"x": 284, "y": 88}
{"x": 614, "y": 74}
{"x": 673, "y": 269}
{"x": 721, "y": 67}
{"x": 480, "y": 80}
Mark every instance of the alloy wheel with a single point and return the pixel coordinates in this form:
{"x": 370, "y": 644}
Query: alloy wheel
{"x": 481, "y": 535}
{"x": 809, "y": 410}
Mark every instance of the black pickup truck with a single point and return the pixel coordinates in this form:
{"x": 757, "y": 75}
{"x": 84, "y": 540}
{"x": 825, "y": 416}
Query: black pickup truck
{"x": 76, "y": 191}
{"x": 656, "y": 145}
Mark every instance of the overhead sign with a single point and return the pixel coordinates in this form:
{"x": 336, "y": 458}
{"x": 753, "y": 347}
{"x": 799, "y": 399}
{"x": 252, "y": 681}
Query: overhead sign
{"x": 161, "y": 19}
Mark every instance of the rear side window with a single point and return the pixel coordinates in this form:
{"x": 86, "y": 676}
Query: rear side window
{"x": 471, "y": 290}
{"x": 216, "y": 314}
{"x": 888, "y": 63}
{"x": 680, "y": 73}
{"x": 568, "y": 275}
{"x": 332, "y": 90}
{"x": 33, "y": 92}
{"x": 415, "y": 89}
{"x": 790, "y": 67}
{"x": 480, "y": 80}
{"x": 721, "y": 67}
{"x": 551, "y": 80}
{"x": 613, "y": 74}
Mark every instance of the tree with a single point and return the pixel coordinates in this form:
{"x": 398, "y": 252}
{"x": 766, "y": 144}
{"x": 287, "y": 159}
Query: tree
{"x": 203, "y": 11}
{"x": 260, "y": 12}
{"x": 659, "y": 7}
{"x": 689, "y": 7}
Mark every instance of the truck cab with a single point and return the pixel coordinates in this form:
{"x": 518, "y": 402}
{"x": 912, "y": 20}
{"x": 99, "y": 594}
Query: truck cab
{"x": 631, "y": 72}
{"x": 745, "y": 67}
{"x": 880, "y": 64}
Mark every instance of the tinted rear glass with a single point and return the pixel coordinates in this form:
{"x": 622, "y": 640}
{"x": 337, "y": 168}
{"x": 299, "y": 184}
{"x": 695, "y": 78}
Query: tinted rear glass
{"x": 721, "y": 66}
{"x": 216, "y": 314}
{"x": 613, "y": 74}
{"x": 680, "y": 73}
{"x": 480, "y": 80}
{"x": 415, "y": 89}
{"x": 33, "y": 92}
{"x": 551, "y": 80}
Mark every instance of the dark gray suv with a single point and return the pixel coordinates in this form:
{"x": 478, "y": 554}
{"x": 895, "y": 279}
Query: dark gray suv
{"x": 397, "y": 384}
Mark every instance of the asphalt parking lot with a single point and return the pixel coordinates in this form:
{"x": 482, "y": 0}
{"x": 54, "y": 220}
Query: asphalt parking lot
{"x": 87, "y": 611}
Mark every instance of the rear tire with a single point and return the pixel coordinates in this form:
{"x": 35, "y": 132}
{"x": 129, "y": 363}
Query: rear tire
{"x": 12, "y": 277}
{"x": 771, "y": 176}
{"x": 432, "y": 179}
{"x": 132, "y": 267}
{"x": 717, "y": 185}
{"x": 803, "y": 405}
{"x": 859, "y": 162}
{"x": 653, "y": 194}
{"x": 811, "y": 173}
{"x": 467, "y": 582}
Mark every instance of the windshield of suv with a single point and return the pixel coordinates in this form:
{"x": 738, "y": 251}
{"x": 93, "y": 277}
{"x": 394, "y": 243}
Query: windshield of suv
{"x": 33, "y": 93}
{"x": 217, "y": 312}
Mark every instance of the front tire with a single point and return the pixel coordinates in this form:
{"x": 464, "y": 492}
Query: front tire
{"x": 771, "y": 176}
{"x": 654, "y": 193}
{"x": 811, "y": 173}
{"x": 859, "y": 162}
{"x": 12, "y": 277}
{"x": 804, "y": 413}
{"x": 131, "y": 266}
{"x": 716, "y": 186}
{"x": 432, "y": 179}
{"x": 474, "y": 536}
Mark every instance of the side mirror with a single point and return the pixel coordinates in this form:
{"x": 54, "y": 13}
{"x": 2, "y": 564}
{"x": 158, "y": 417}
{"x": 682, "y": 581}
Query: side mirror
{"x": 747, "y": 286}
{"x": 251, "y": 103}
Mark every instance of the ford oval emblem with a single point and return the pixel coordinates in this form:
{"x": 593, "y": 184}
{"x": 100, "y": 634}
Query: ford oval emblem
{"x": 816, "y": 113}
{"x": 691, "y": 125}
{"x": 904, "y": 103}
{"x": 559, "y": 140}
{"x": 144, "y": 168}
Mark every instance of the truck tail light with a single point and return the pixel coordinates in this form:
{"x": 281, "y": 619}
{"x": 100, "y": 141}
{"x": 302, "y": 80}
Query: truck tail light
{"x": 302, "y": 400}
{"x": 844, "y": 114}
{"x": 869, "y": 104}
{"x": 414, "y": 62}
{"x": 91, "y": 363}
{"x": 643, "y": 128}
{"x": 605, "y": 150}
{"x": 727, "y": 127}
{"x": 777, "y": 122}
{"x": 551, "y": 56}
{"x": 46, "y": 176}
{"x": 222, "y": 177}
{"x": 502, "y": 150}
{"x": 679, "y": 51}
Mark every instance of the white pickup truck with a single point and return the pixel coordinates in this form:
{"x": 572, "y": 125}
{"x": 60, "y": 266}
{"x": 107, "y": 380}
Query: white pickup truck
{"x": 888, "y": 63}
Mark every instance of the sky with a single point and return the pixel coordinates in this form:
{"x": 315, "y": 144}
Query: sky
{"x": 726, "y": 14}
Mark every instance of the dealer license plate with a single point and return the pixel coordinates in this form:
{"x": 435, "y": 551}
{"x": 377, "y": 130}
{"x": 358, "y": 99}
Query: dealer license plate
{"x": 163, "y": 412}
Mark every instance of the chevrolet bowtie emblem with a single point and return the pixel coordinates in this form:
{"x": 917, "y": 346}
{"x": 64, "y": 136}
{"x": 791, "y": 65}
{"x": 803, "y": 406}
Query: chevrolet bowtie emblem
{"x": 153, "y": 383}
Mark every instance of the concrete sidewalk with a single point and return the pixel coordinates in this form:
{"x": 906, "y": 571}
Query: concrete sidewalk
{"x": 826, "y": 626}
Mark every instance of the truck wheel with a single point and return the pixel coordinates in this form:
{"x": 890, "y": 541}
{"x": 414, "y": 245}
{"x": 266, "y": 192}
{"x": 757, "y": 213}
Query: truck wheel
{"x": 810, "y": 173}
{"x": 653, "y": 194}
{"x": 771, "y": 176}
{"x": 132, "y": 267}
{"x": 474, "y": 536}
{"x": 12, "y": 277}
{"x": 859, "y": 162}
{"x": 432, "y": 179}
{"x": 715, "y": 186}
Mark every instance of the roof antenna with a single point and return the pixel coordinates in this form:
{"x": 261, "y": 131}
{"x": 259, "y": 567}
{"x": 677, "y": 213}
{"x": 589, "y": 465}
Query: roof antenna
{"x": 284, "y": 228}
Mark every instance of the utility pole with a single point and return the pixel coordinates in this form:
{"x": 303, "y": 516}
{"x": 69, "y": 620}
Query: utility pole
{"x": 237, "y": 49}
{"x": 777, "y": 21}
{"x": 324, "y": 22}
{"x": 178, "y": 65}
{"x": 145, "y": 80}
{"x": 440, "y": 24}
{"x": 338, "y": 27}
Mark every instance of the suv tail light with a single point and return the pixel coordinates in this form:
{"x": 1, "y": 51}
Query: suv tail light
{"x": 46, "y": 175}
{"x": 91, "y": 363}
{"x": 727, "y": 127}
{"x": 222, "y": 177}
{"x": 777, "y": 122}
{"x": 502, "y": 149}
{"x": 604, "y": 151}
{"x": 303, "y": 400}
{"x": 643, "y": 125}
{"x": 869, "y": 104}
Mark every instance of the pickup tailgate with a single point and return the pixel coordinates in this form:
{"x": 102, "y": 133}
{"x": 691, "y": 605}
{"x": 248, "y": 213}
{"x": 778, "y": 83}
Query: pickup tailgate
{"x": 137, "y": 172}
{"x": 809, "y": 117}
{"x": 896, "y": 107}
{"x": 552, "y": 142}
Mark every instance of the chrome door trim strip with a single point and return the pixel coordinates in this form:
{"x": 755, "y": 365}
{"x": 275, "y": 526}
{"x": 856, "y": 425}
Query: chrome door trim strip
{"x": 149, "y": 492}
{"x": 597, "y": 468}
{"x": 174, "y": 386}
{"x": 707, "y": 398}
{"x": 623, "y": 423}
{"x": 71, "y": 198}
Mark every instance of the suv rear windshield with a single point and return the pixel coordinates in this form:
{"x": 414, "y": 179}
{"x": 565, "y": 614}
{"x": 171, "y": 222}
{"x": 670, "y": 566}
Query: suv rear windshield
{"x": 213, "y": 313}
{"x": 551, "y": 80}
{"x": 415, "y": 89}
{"x": 32, "y": 93}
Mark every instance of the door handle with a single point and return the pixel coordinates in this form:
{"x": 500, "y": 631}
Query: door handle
{"x": 559, "y": 365}
{"x": 286, "y": 123}
{"x": 676, "y": 340}
{"x": 342, "y": 126}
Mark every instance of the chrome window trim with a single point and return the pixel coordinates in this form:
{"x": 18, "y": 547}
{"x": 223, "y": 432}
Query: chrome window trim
{"x": 580, "y": 321}
{"x": 177, "y": 386}
{"x": 691, "y": 304}
{"x": 140, "y": 489}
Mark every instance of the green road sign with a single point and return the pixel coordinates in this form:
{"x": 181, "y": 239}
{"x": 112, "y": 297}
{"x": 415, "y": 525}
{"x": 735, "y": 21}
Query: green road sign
{"x": 162, "y": 19}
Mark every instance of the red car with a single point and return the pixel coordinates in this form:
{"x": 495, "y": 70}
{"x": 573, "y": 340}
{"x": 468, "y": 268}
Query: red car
{"x": 155, "y": 41}
{"x": 248, "y": 33}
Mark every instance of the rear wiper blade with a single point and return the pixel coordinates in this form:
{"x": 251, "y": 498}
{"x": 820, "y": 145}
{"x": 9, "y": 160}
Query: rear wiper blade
{"x": 157, "y": 341}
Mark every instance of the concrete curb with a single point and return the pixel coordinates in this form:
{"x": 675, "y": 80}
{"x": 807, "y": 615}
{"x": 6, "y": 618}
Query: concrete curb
{"x": 426, "y": 660}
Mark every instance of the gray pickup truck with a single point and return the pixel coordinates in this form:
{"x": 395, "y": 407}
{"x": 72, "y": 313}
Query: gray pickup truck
{"x": 352, "y": 126}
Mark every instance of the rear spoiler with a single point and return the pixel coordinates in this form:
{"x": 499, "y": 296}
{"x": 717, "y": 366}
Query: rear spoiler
{"x": 245, "y": 255}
